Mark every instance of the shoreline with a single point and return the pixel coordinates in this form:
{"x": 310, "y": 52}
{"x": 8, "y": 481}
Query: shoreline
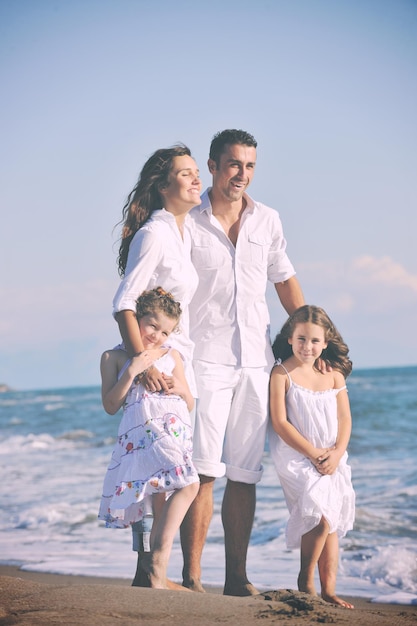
{"x": 45, "y": 599}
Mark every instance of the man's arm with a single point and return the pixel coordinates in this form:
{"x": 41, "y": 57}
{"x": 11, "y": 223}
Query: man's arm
{"x": 290, "y": 294}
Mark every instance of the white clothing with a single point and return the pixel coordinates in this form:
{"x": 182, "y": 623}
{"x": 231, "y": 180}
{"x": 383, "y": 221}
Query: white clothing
{"x": 152, "y": 453}
{"x": 229, "y": 318}
{"x": 158, "y": 256}
{"x": 229, "y": 324}
{"x": 309, "y": 494}
{"x": 229, "y": 435}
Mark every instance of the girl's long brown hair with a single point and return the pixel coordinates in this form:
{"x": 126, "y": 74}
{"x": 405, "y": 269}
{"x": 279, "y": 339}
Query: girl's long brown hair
{"x": 336, "y": 353}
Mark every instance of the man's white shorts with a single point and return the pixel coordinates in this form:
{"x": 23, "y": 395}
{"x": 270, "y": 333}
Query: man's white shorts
{"x": 231, "y": 421}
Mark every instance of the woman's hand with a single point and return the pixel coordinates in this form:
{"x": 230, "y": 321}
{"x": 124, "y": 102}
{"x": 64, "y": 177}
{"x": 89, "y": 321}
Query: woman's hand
{"x": 176, "y": 387}
{"x": 153, "y": 380}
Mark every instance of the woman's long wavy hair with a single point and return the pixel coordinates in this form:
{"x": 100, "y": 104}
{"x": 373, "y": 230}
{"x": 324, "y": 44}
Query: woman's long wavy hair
{"x": 145, "y": 197}
{"x": 336, "y": 353}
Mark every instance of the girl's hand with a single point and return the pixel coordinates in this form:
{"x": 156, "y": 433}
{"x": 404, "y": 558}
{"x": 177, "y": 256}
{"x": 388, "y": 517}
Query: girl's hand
{"x": 327, "y": 464}
{"x": 142, "y": 361}
{"x": 318, "y": 455}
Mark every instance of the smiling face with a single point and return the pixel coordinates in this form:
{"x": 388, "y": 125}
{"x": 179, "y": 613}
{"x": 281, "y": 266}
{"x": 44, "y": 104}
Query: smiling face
{"x": 184, "y": 185}
{"x": 308, "y": 342}
{"x": 155, "y": 328}
{"x": 234, "y": 172}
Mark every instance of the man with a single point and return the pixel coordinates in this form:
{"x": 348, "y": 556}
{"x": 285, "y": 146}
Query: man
{"x": 237, "y": 246}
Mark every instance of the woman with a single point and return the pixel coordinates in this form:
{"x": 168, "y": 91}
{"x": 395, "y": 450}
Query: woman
{"x": 155, "y": 249}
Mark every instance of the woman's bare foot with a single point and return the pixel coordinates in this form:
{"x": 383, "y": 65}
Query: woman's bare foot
{"x": 333, "y": 599}
{"x": 145, "y": 575}
{"x": 194, "y": 585}
{"x": 141, "y": 579}
{"x": 176, "y": 586}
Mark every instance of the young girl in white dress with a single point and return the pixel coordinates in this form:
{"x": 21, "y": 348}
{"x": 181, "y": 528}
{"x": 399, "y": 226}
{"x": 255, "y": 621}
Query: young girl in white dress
{"x": 311, "y": 426}
{"x": 152, "y": 455}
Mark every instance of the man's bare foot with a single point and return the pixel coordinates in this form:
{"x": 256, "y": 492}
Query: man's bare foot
{"x": 240, "y": 590}
{"x": 336, "y": 600}
{"x": 193, "y": 585}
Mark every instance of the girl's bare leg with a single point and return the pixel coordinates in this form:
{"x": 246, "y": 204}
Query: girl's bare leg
{"x": 166, "y": 523}
{"x": 312, "y": 544}
{"x": 328, "y": 565}
{"x": 193, "y": 534}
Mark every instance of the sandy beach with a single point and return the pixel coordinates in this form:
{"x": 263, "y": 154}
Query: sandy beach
{"x": 34, "y": 599}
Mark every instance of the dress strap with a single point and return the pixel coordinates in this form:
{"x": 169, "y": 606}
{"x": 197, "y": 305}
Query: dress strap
{"x": 279, "y": 362}
{"x": 123, "y": 368}
{"x": 340, "y": 389}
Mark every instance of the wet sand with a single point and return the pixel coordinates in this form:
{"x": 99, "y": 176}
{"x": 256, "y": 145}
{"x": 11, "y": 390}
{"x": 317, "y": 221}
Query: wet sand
{"x": 37, "y": 599}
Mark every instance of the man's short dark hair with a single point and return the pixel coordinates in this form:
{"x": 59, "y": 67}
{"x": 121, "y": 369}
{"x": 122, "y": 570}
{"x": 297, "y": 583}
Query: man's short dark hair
{"x": 229, "y": 137}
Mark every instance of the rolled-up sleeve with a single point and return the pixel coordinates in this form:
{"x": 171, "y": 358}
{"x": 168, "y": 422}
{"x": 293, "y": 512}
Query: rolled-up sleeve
{"x": 145, "y": 253}
{"x": 280, "y": 267}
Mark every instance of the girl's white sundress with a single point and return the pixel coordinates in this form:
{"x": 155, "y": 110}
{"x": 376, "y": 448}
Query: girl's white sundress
{"x": 310, "y": 495}
{"x": 152, "y": 454}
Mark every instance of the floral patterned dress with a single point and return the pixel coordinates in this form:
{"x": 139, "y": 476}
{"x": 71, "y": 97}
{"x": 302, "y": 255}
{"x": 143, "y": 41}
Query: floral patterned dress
{"x": 153, "y": 452}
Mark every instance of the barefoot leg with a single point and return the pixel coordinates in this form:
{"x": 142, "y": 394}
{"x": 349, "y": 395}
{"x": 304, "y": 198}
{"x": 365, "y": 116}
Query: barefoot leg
{"x": 238, "y": 511}
{"x": 166, "y": 524}
{"x": 328, "y": 565}
{"x": 194, "y": 531}
{"x": 312, "y": 544}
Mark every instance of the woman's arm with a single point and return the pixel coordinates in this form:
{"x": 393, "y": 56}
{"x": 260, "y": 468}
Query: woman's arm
{"x": 143, "y": 257}
{"x": 145, "y": 253}
{"x": 129, "y": 331}
{"x": 113, "y": 389}
{"x": 180, "y": 385}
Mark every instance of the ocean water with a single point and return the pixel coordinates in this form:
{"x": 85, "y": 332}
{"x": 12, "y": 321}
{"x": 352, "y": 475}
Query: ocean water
{"x": 55, "y": 446}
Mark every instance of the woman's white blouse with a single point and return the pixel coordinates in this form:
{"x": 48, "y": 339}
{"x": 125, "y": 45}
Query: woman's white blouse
{"x": 160, "y": 257}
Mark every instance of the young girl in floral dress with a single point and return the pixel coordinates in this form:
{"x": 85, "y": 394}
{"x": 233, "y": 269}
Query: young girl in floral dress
{"x": 152, "y": 456}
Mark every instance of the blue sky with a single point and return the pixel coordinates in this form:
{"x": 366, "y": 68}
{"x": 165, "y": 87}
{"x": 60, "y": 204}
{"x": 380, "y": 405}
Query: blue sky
{"x": 91, "y": 88}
